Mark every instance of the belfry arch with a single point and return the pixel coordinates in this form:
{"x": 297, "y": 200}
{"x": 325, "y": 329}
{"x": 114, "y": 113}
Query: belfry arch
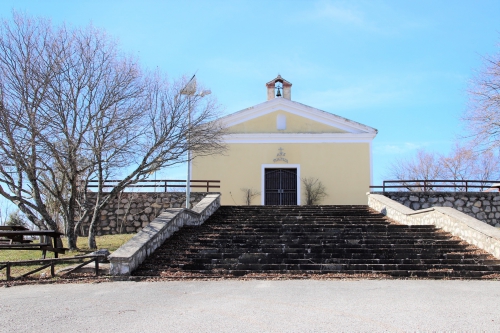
{"x": 279, "y": 87}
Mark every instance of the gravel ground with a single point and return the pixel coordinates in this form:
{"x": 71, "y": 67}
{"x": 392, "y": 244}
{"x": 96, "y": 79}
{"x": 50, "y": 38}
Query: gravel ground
{"x": 253, "y": 306}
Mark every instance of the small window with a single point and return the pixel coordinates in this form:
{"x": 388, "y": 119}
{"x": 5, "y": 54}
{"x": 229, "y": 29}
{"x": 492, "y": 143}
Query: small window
{"x": 281, "y": 122}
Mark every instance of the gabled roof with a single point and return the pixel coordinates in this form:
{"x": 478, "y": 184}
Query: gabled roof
{"x": 299, "y": 109}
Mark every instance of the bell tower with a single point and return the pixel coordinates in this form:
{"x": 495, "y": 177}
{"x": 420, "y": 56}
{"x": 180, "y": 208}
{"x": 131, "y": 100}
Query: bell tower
{"x": 279, "y": 87}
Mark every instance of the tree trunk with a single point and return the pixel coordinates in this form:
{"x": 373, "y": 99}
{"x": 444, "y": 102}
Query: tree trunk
{"x": 92, "y": 232}
{"x": 71, "y": 236}
{"x": 71, "y": 228}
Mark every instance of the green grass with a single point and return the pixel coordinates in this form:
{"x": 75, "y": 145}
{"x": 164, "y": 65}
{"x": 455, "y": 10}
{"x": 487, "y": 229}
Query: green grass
{"x": 110, "y": 242}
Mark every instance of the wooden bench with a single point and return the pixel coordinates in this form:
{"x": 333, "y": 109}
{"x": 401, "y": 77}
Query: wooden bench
{"x": 50, "y": 240}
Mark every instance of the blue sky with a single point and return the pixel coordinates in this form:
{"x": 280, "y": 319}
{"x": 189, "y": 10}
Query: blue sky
{"x": 402, "y": 67}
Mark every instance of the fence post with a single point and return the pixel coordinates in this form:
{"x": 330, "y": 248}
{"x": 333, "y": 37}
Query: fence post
{"x": 208, "y": 186}
{"x": 97, "y": 266}
{"x": 165, "y": 186}
{"x": 466, "y": 186}
{"x": 7, "y": 271}
{"x": 425, "y": 185}
{"x": 52, "y": 271}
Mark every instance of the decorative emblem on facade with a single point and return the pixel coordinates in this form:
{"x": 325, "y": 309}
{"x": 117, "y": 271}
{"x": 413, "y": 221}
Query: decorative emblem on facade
{"x": 280, "y": 156}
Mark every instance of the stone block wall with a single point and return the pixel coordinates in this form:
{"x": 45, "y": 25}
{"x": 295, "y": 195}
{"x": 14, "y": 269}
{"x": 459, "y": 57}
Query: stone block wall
{"x": 484, "y": 206}
{"x": 132, "y": 211}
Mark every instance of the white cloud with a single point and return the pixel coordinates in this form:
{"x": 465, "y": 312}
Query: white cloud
{"x": 344, "y": 14}
{"x": 355, "y": 96}
{"x": 326, "y": 10}
{"x": 396, "y": 148}
{"x": 370, "y": 16}
{"x": 394, "y": 88}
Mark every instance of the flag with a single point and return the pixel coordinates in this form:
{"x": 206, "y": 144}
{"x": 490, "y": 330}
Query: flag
{"x": 190, "y": 88}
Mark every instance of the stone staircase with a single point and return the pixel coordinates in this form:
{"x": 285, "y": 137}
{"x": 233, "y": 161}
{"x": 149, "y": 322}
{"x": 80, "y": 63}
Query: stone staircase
{"x": 333, "y": 240}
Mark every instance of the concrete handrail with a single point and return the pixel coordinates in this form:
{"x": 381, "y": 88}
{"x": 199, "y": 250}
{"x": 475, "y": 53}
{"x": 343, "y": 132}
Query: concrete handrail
{"x": 471, "y": 230}
{"x": 131, "y": 254}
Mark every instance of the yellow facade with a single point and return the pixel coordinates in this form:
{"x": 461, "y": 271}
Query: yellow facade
{"x": 344, "y": 169}
{"x": 283, "y": 134}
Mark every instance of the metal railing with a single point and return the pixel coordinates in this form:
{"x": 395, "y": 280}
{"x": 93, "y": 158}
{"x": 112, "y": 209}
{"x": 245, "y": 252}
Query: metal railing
{"x": 438, "y": 185}
{"x": 164, "y": 184}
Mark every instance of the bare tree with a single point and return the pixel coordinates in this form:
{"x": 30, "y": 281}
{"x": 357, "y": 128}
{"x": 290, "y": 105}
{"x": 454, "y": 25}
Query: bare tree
{"x": 483, "y": 115}
{"x": 314, "y": 190}
{"x": 466, "y": 162}
{"x": 463, "y": 163}
{"x": 459, "y": 165}
{"x": 249, "y": 194}
{"x": 158, "y": 139}
{"x": 74, "y": 109}
{"x": 487, "y": 166}
{"x": 424, "y": 166}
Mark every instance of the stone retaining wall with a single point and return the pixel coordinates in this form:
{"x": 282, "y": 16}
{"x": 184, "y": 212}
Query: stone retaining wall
{"x": 469, "y": 229}
{"x": 132, "y": 211}
{"x": 131, "y": 254}
{"x": 484, "y": 206}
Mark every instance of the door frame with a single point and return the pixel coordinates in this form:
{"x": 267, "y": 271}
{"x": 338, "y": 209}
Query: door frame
{"x": 278, "y": 166}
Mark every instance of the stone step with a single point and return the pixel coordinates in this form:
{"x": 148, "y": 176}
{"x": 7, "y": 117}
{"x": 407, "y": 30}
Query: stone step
{"x": 260, "y": 259}
{"x": 346, "y": 244}
{"x": 239, "y": 234}
{"x": 361, "y": 226}
{"x": 315, "y": 240}
{"x": 328, "y": 236}
{"x": 336, "y": 266}
{"x": 396, "y": 256}
{"x": 364, "y": 254}
{"x": 340, "y": 267}
{"x": 295, "y": 218}
{"x": 326, "y": 216}
{"x": 431, "y": 274}
{"x": 315, "y": 229}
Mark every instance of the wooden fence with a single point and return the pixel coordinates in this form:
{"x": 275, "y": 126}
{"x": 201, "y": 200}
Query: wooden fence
{"x": 45, "y": 263}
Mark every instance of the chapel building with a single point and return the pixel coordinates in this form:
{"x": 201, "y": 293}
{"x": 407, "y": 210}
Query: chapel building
{"x": 275, "y": 145}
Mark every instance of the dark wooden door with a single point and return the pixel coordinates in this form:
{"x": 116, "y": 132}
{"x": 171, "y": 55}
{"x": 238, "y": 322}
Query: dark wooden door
{"x": 281, "y": 187}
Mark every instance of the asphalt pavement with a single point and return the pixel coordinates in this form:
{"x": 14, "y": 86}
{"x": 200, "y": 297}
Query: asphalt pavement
{"x": 253, "y": 306}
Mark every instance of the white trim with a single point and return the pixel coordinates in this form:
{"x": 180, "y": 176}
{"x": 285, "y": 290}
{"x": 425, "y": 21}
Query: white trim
{"x": 298, "y": 138}
{"x": 278, "y": 166}
{"x": 299, "y": 109}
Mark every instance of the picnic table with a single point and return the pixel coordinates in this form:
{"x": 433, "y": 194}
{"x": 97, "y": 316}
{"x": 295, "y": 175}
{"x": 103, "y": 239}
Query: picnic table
{"x": 50, "y": 240}
{"x": 12, "y": 227}
{"x": 16, "y": 239}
